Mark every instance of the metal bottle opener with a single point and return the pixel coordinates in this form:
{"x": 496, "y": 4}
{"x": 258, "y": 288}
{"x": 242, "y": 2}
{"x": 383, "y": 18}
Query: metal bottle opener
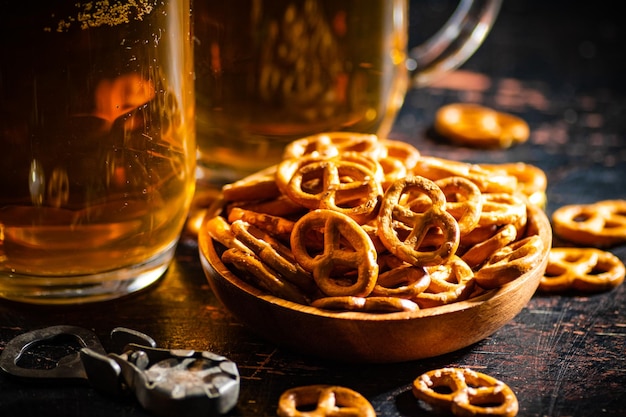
{"x": 165, "y": 382}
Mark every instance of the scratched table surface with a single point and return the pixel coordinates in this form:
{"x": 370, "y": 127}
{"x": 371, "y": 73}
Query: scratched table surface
{"x": 559, "y": 65}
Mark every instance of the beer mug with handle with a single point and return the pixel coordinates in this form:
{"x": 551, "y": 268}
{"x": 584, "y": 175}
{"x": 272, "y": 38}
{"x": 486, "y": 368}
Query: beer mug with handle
{"x": 271, "y": 71}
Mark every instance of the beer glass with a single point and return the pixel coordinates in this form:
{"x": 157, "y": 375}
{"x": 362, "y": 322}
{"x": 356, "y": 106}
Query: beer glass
{"x": 97, "y": 132}
{"x": 271, "y": 71}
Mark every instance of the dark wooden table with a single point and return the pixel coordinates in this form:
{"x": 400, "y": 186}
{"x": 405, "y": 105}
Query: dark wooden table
{"x": 560, "y": 65}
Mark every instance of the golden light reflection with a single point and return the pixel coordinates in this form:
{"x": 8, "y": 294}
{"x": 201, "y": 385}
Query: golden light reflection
{"x": 116, "y": 97}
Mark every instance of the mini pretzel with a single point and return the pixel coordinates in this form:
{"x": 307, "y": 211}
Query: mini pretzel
{"x": 480, "y": 252}
{"x": 393, "y": 213}
{"x": 332, "y": 144}
{"x": 532, "y": 180}
{"x": 273, "y": 253}
{"x": 465, "y": 392}
{"x": 323, "y": 401}
{"x": 274, "y": 225}
{"x": 219, "y": 230}
{"x": 510, "y": 262}
{"x": 346, "y": 246}
{"x": 449, "y": 283}
{"x": 340, "y": 185}
{"x": 499, "y": 209}
{"x": 405, "y": 281}
{"x": 463, "y": 201}
{"x": 248, "y": 263}
{"x": 582, "y": 269}
{"x": 487, "y": 181}
{"x": 402, "y": 151}
{"x": 398, "y": 159}
{"x": 372, "y": 304}
{"x": 600, "y": 224}
{"x": 480, "y": 126}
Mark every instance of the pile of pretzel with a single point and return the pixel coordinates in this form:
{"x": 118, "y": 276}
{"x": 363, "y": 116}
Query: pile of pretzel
{"x": 355, "y": 222}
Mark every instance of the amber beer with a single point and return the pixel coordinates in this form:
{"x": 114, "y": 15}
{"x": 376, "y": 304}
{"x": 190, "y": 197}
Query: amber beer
{"x": 270, "y": 71}
{"x": 97, "y": 138}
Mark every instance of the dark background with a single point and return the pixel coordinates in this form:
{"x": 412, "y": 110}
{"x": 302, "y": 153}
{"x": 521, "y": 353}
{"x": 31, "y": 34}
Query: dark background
{"x": 557, "y": 64}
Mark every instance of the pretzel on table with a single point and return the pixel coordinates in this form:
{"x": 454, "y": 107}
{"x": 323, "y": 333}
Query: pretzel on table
{"x": 465, "y": 393}
{"x": 599, "y": 224}
{"x": 323, "y": 401}
{"x": 582, "y": 269}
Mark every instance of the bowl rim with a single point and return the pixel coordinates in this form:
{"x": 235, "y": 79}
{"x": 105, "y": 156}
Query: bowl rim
{"x": 213, "y": 264}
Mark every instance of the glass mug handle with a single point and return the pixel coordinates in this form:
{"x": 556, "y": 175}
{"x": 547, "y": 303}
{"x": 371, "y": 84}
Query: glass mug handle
{"x": 454, "y": 43}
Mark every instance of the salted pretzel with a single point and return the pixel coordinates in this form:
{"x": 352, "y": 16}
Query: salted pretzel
{"x": 371, "y": 304}
{"x": 347, "y": 264}
{"x": 404, "y": 281}
{"x": 323, "y": 401}
{"x": 392, "y": 213}
{"x": 582, "y": 269}
{"x": 275, "y": 225}
{"x": 510, "y": 262}
{"x": 480, "y": 126}
{"x": 338, "y": 184}
{"x": 274, "y": 254}
{"x": 477, "y": 254}
{"x": 332, "y": 144}
{"x": 502, "y": 208}
{"x": 265, "y": 277}
{"x": 463, "y": 201}
{"x": 599, "y": 224}
{"x": 514, "y": 129}
{"x": 531, "y": 180}
{"x": 465, "y": 392}
{"x": 487, "y": 181}
{"x": 219, "y": 229}
{"x": 449, "y": 283}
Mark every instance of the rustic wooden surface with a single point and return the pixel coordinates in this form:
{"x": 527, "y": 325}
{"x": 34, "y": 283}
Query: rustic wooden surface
{"x": 559, "y": 65}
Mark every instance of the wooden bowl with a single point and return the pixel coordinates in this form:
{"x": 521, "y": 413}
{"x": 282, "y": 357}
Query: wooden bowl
{"x": 368, "y": 337}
